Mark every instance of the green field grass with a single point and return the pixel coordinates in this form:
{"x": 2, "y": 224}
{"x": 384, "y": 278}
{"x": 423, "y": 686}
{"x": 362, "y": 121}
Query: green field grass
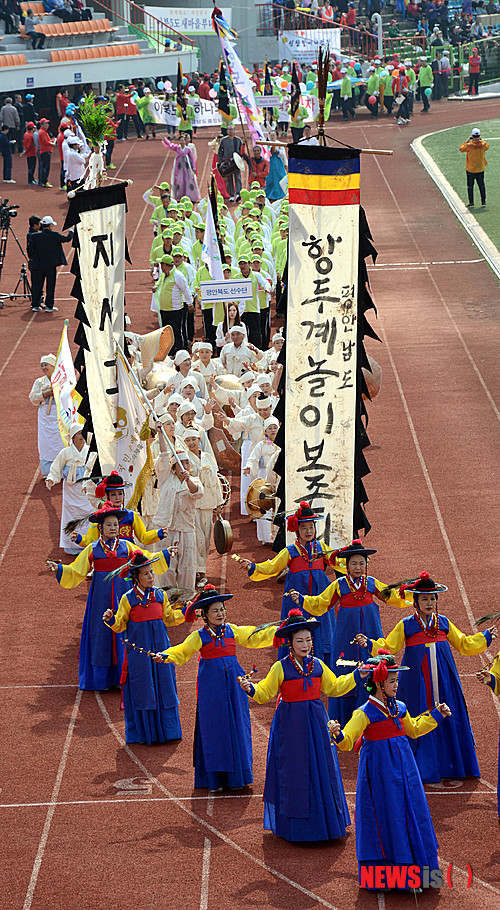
{"x": 443, "y": 147}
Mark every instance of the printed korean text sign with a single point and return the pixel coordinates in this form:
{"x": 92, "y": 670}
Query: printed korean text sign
{"x": 320, "y": 395}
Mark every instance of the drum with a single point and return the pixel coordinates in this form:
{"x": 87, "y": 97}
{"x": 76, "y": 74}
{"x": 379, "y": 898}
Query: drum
{"x": 223, "y": 536}
{"x": 226, "y": 167}
{"x": 260, "y": 498}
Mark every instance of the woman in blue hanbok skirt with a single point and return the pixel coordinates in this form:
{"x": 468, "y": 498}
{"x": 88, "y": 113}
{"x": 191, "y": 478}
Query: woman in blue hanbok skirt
{"x": 222, "y": 737}
{"x": 101, "y": 652}
{"x": 149, "y": 689}
{"x": 306, "y": 561}
{"x": 303, "y": 796}
{"x": 449, "y": 750}
{"x": 393, "y": 823}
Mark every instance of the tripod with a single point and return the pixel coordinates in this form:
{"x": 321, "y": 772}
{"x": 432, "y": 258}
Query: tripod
{"x": 23, "y": 276}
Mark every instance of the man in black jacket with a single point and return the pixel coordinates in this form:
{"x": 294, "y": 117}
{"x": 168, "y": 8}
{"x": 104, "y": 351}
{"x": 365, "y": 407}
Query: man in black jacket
{"x": 46, "y": 254}
{"x": 227, "y": 167}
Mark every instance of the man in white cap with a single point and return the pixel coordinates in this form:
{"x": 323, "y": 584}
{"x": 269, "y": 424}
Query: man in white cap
{"x": 72, "y": 464}
{"x": 46, "y": 254}
{"x": 238, "y": 352}
{"x": 178, "y": 494}
{"x": 75, "y": 169}
{"x": 42, "y": 397}
{"x": 212, "y": 499}
{"x": 475, "y": 150}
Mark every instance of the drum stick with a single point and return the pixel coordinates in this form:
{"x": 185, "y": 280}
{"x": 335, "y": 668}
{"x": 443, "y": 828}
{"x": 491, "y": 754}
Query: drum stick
{"x": 49, "y": 406}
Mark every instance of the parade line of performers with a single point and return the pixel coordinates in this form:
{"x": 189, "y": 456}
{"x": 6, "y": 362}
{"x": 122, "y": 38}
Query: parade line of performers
{"x": 149, "y": 573}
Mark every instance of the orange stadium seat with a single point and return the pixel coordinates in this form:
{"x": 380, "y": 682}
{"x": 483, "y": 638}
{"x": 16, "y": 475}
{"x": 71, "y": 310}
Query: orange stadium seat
{"x": 13, "y": 60}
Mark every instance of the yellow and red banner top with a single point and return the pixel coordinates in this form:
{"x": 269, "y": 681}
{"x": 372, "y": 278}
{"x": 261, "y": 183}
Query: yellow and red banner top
{"x": 318, "y": 181}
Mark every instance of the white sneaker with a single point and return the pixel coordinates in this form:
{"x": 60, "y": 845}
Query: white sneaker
{"x": 400, "y": 121}
{"x": 9, "y": 181}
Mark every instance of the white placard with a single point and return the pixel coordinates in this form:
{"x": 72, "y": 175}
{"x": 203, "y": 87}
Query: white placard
{"x": 224, "y": 291}
{"x": 188, "y": 21}
{"x": 320, "y": 397}
{"x": 303, "y": 46}
{"x": 206, "y": 113}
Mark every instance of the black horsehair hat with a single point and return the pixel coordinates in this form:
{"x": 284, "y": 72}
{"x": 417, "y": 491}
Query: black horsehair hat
{"x": 203, "y": 600}
{"x": 294, "y": 622}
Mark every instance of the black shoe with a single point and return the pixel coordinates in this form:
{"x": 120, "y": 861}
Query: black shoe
{"x": 470, "y": 205}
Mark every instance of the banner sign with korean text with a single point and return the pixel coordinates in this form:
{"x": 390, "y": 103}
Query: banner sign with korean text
{"x": 187, "y": 21}
{"x": 321, "y": 335}
{"x": 226, "y": 291}
{"x": 99, "y": 265}
{"x": 206, "y": 113}
{"x": 63, "y": 381}
{"x": 303, "y": 45}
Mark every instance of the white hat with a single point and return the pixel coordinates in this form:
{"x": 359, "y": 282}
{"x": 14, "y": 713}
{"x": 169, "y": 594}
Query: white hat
{"x": 205, "y": 346}
{"x": 175, "y": 398}
{"x": 277, "y": 337}
{"x": 263, "y": 379}
{"x": 190, "y": 380}
{"x": 73, "y": 140}
{"x": 191, "y": 431}
{"x": 247, "y": 376}
{"x": 371, "y": 69}
{"x": 238, "y": 328}
{"x": 476, "y": 131}
{"x": 271, "y": 422}
{"x": 146, "y": 91}
{"x": 75, "y": 428}
{"x": 265, "y": 402}
{"x": 48, "y": 358}
{"x": 68, "y": 133}
{"x": 181, "y": 356}
{"x": 180, "y": 455}
{"x": 254, "y": 389}
{"x": 191, "y": 88}
{"x": 185, "y": 407}
{"x": 48, "y": 220}
{"x": 407, "y": 62}
{"x": 436, "y": 28}
{"x": 343, "y": 70}
{"x": 390, "y": 66}
{"x": 424, "y": 58}
{"x": 162, "y": 418}
{"x": 195, "y": 347}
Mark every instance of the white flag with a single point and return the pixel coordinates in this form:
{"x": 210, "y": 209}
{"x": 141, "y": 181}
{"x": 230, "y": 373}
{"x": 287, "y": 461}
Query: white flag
{"x": 244, "y": 89}
{"x": 63, "y": 382}
{"x": 131, "y": 414}
{"x": 210, "y": 252}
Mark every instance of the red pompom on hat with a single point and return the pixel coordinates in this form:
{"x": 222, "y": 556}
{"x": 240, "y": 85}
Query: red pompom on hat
{"x": 424, "y": 584}
{"x": 303, "y": 513}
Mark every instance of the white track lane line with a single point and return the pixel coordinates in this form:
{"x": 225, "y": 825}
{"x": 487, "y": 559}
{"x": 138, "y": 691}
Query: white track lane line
{"x": 441, "y": 297}
{"x": 52, "y": 805}
{"x": 19, "y": 515}
{"x": 18, "y": 342}
{"x": 201, "y": 821}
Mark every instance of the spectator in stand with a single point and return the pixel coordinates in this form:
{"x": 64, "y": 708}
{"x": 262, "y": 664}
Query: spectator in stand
{"x": 46, "y": 147}
{"x": 327, "y": 13}
{"x": 37, "y": 37}
{"x": 6, "y": 152}
{"x": 30, "y": 152}
{"x": 474, "y": 67}
{"x": 436, "y": 38}
{"x": 466, "y": 7}
{"x": 393, "y": 30}
{"x": 9, "y": 117}
{"x": 351, "y": 16}
{"x": 443, "y": 19}
{"x": 401, "y": 8}
{"x": 412, "y": 10}
{"x": 7, "y": 14}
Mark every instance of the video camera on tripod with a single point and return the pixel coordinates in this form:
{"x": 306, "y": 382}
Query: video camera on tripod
{"x": 8, "y": 211}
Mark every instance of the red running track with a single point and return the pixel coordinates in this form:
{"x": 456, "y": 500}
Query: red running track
{"x": 87, "y": 822}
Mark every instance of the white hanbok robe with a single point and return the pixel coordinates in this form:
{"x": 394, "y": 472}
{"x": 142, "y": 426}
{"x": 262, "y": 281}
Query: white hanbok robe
{"x": 250, "y": 425}
{"x": 177, "y": 511}
{"x": 212, "y": 498}
{"x": 261, "y": 457}
{"x": 70, "y": 466}
{"x": 49, "y": 437}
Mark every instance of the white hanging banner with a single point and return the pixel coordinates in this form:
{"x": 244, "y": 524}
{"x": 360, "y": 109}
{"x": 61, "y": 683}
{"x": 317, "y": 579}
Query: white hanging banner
{"x": 130, "y": 449}
{"x": 303, "y": 45}
{"x": 206, "y": 113}
{"x": 321, "y": 335}
{"x": 100, "y": 222}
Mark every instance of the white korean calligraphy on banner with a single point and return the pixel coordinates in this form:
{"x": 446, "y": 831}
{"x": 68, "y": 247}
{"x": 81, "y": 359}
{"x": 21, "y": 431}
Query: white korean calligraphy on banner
{"x": 303, "y": 46}
{"x": 320, "y": 398}
{"x": 206, "y": 113}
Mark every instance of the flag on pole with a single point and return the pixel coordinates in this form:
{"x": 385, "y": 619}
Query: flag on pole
{"x": 242, "y": 84}
{"x": 268, "y": 89}
{"x": 63, "y": 381}
{"x": 181, "y": 95}
{"x": 295, "y": 93}
{"x": 224, "y": 110}
{"x": 131, "y": 415}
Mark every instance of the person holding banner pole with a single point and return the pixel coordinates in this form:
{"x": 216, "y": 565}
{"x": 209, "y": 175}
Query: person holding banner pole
{"x": 42, "y": 397}
{"x": 72, "y": 464}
